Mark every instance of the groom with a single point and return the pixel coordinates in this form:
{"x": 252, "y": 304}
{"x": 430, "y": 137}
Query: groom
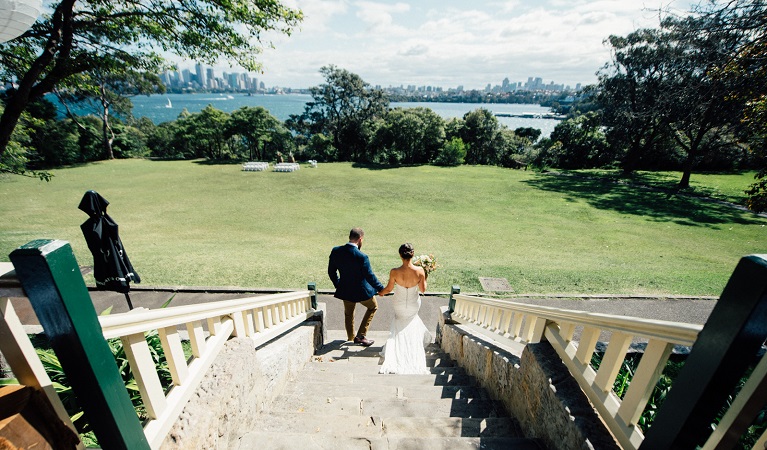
{"x": 357, "y": 284}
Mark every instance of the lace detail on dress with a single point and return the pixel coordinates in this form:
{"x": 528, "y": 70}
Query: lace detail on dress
{"x": 404, "y": 349}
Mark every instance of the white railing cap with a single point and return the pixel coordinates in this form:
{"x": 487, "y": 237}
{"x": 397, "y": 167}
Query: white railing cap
{"x": 674, "y": 332}
{"x": 123, "y": 324}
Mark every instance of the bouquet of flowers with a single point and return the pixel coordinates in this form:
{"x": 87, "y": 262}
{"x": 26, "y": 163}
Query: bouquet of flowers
{"x": 428, "y": 262}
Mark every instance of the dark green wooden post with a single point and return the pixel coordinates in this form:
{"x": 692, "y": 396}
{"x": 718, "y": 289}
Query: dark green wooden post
{"x": 313, "y": 287}
{"x": 451, "y": 304}
{"x": 49, "y": 274}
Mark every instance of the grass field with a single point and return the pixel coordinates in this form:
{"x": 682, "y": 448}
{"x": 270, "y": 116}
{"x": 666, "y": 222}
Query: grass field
{"x": 192, "y": 223}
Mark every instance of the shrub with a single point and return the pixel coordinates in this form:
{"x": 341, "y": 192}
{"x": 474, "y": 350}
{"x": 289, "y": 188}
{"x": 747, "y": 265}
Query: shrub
{"x": 453, "y": 153}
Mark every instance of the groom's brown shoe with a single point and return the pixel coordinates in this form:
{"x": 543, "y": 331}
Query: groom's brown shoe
{"x": 363, "y": 342}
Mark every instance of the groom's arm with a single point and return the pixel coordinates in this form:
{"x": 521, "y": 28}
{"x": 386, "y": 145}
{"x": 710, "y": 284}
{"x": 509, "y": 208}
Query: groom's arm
{"x": 333, "y": 271}
{"x": 370, "y": 277}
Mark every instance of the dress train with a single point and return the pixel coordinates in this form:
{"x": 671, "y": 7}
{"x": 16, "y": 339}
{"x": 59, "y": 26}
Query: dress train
{"x": 404, "y": 349}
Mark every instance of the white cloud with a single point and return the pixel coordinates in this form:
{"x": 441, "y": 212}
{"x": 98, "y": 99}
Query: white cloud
{"x": 378, "y": 16}
{"x": 452, "y": 42}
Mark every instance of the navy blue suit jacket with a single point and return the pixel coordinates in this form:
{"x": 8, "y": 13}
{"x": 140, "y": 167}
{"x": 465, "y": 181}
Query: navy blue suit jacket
{"x": 349, "y": 270}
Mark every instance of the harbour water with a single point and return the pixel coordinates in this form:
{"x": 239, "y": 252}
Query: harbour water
{"x": 164, "y": 108}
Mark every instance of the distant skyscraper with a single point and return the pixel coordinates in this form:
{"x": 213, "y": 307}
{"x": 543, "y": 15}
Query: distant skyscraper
{"x": 200, "y": 75}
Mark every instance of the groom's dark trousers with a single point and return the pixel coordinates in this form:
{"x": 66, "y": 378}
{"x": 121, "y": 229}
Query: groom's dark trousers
{"x": 349, "y": 270}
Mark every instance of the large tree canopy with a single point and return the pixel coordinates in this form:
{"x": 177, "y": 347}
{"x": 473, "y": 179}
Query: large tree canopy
{"x": 665, "y": 85}
{"x": 88, "y": 36}
{"x": 746, "y": 69}
{"x": 343, "y": 108}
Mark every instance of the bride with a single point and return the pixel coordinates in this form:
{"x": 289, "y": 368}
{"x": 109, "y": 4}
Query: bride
{"x": 404, "y": 349}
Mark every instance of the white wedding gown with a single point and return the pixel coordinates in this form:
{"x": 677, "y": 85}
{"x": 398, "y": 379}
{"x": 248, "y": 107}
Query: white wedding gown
{"x": 404, "y": 349}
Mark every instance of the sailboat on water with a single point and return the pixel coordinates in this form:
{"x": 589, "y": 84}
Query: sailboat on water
{"x": 169, "y": 105}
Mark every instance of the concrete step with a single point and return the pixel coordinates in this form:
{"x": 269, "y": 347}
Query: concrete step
{"x": 373, "y": 358}
{"x": 379, "y": 391}
{"x": 373, "y": 378}
{"x": 351, "y": 366}
{"x": 374, "y": 426}
{"x": 393, "y": 407}
{"x": 322, "y": 441}
{"x": 339, "y": 401}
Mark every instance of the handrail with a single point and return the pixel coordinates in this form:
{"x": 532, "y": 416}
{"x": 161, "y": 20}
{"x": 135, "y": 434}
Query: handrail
{"x": 676, "y": 332}
{"x": 49, "y": 274}
{"x": 723, "y": 352}
{"x": 532, "y": 324}
{"x": 260, "y": 318}
{"x": 116, "y": 325}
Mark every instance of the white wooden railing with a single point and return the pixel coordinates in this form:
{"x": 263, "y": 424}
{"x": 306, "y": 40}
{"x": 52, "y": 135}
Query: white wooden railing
{"x": 523, "y": 323}
{"x": 26, "y": 366}
{"x": 531, "y": 324}
{"x": 260, "y": 318}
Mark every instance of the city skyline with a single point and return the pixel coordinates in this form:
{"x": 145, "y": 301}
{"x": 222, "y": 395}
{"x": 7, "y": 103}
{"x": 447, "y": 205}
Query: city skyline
{"x": 202, "y": 77}
{"x": 451, "y": 43}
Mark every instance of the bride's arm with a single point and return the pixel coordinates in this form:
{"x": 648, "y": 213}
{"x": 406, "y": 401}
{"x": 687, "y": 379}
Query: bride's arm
{"x": 389, "y": 287}
{"x": 422, "y": 280}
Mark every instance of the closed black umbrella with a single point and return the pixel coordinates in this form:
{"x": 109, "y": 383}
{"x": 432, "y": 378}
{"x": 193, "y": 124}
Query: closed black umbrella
{"x": 111, "y": 267}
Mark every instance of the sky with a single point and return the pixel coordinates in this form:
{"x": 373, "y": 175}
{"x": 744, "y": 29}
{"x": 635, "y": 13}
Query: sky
{"x": 447, "y": 43}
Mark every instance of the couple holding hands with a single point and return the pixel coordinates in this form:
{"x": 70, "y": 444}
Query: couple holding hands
{"x": 349, "y": 270}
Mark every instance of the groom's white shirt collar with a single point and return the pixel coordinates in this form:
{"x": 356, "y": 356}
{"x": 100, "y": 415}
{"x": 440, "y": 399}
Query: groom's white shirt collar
{"x": 352, "y": 243}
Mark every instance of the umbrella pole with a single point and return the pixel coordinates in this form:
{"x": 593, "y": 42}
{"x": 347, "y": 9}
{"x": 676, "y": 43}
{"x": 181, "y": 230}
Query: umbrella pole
{"x": 127, "y": 298}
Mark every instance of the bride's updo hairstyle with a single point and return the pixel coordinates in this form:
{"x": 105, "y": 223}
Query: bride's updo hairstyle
{"x": 406, "y": 251}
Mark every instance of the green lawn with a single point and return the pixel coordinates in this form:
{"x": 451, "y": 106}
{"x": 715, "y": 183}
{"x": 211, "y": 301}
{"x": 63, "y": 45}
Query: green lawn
{"x": 192, "y": 223}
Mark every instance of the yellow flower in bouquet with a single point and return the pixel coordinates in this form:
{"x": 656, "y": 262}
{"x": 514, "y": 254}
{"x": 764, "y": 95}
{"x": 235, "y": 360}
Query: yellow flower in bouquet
{"x": 428, "y": 262}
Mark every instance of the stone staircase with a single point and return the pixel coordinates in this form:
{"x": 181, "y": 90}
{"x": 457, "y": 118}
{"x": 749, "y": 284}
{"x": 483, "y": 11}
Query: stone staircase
{"x": 339, "y": 401}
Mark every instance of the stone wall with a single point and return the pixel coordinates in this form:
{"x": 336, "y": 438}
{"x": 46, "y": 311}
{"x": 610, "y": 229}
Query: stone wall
{"x": 239, "y": 384}
{"x": 533, "y": 384}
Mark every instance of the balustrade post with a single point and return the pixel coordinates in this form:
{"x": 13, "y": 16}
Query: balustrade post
{"x": 51, "y": 278}
{"x": 312, "y": 287}
{"x": 451, "y": 304}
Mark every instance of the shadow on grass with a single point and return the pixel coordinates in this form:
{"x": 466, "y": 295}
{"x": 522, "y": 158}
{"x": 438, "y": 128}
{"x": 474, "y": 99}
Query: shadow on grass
{"x": 376, "y": 166}
{"x": 217, "y": 162}
{"x": 658, "y": 205}
{"x": 373, "y": 166}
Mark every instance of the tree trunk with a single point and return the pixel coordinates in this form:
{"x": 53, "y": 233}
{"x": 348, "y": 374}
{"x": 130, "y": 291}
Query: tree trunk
{"x": 692, "y": 153}
{"x": 631, "y": 161}
{"x": 106, "y": 130}
{"x": 108, "y": 136}
{"x": 684, "y": 183}
{"x": 58, "y": 46}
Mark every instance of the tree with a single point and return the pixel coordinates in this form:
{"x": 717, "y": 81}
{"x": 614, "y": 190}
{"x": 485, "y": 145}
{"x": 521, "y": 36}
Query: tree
{"x": 628, "y": 91}
{"x": 256, "y": 128}
{"x": 479, "y": 133}
{"x": 408, "y": 135}
{"x": 746, "y": 70}
{"x": 698, "y": 102}
{"x": 320, "y": 148}
{"x": 452, "y": 154}
{"x": 665, "y": 84}
{"x": 513, "y": 149}
{"x": 206, "y": 132}
{"x": 83, "y": 36}
{"x": 583, "y": 144}
{"x": 530, "y": 133}
{"x": 343, "y": 108}
{"x": 105, "y": 92}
